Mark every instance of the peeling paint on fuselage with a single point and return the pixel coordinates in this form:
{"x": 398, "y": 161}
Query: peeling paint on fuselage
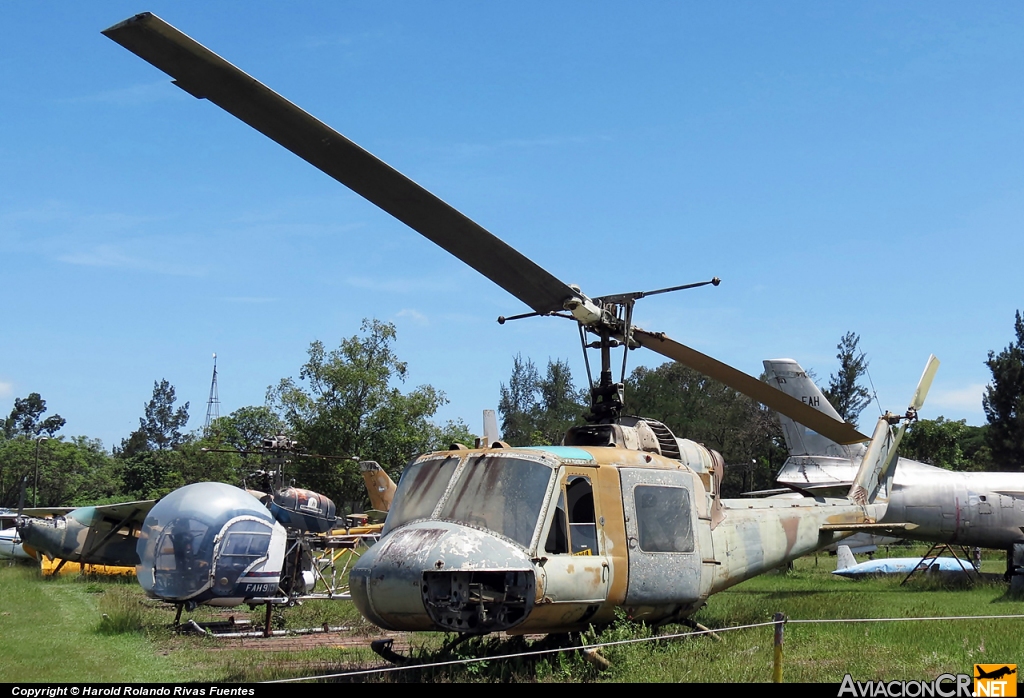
{"x": 752, "y": 537}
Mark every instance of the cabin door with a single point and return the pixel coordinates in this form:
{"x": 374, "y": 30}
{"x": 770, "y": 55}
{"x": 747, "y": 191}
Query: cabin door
{"x": 576, "y": 569}
{"x": 664, "y": 563}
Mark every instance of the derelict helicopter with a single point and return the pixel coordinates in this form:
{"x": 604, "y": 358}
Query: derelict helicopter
{"x": 220, "y": 545}
{"x": 942, "y": 506}
{"x": 549, "y": 539}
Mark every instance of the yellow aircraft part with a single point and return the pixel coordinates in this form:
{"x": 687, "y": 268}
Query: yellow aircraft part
{"x": 48, "y": 566}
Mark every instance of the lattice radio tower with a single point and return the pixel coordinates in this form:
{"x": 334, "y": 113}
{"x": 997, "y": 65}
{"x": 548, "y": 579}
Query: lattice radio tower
{"x": 213, "y": 404}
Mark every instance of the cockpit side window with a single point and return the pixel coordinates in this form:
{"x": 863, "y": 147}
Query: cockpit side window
{"x": 574, "y": 525}
{"x": 663, "y": 519}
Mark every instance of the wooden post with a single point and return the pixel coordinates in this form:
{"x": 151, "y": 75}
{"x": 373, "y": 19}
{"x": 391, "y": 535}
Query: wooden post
{"x": 780, "y": 621}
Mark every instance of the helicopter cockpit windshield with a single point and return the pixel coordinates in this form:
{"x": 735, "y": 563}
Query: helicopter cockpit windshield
{"x": 499, "y": 493}
{"x": 204, "y": 539}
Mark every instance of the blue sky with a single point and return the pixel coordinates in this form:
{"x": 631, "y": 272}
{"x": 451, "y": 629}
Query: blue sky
{"x": 841, "y": 166}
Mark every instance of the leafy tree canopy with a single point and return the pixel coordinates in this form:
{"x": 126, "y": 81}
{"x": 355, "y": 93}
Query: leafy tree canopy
{"x": 844, "y": 391}
{"x": 26, "y": 419}
{"x": 1003, "y": 401}
{"x": 696, "y": 407}
{"x": 347, "y": 403}
{"x": 72, "y": 472}
{"x": 537, "y": 411}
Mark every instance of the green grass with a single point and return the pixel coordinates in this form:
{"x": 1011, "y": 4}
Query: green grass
{"x": 48, "y": 632}
{"x": 55, "y": 630}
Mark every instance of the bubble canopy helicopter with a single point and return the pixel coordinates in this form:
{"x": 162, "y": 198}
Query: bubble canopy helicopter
{"x": 551, "y": 539}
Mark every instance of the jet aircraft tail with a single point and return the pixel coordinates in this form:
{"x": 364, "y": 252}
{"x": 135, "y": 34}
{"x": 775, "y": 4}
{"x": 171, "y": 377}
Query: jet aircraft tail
{"x": 844, "y": 557}
{"x": 789, "y": 377}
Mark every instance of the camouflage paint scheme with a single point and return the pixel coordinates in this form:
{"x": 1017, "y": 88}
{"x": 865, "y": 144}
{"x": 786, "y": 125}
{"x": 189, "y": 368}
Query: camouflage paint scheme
{"x": 398, "y": 584}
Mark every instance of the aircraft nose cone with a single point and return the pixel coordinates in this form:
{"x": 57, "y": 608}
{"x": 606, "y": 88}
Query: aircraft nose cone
{"x": 435, "y": 575}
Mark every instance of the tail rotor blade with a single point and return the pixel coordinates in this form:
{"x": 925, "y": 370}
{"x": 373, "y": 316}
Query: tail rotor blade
{"x": 923, "y": 385}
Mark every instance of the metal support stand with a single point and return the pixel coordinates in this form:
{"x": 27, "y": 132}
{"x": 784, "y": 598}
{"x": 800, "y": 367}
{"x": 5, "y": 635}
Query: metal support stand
{"x": 936, "y": 551}
{"x": 1015, "y": 569}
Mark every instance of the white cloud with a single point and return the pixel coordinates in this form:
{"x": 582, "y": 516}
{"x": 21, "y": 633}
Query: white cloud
{"x": 135, "y": 94}
{"x": 967, "y": 398}
{"x": 6, "y": 389}
{"x": 111, "y": 256}
{"x": 414, "y": 315}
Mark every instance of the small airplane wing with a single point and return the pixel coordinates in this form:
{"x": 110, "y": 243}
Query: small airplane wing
{"x": 128, "y": 512}
{"x": 43, "y": 512}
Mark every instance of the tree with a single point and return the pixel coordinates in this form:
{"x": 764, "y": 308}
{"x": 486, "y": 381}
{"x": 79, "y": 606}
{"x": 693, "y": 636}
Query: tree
{"x": 936, "y": 442}
{"x": 162, "y": 424}
{"x": 1004, "y": 402}
{"x": 847, "y": 396}
{"x": 245, "y": 428}
{"x": 538, "y": 411}
{"x": 26, "y": 419}
{"x": 345, "y": 404}
{"x": 149, "y": 464}
{"x": 72, "y": 472}
{"x": 696, "y": 407}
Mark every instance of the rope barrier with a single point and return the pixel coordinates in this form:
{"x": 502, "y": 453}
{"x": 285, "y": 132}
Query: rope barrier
{"x": 630, "y": 641}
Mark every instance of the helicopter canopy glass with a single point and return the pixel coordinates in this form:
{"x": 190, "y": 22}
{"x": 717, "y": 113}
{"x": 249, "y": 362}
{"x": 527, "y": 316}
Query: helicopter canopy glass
{"x": 178, "y": 539}
{"x": 420, "y": 489}
{"x": 504, "y": 494}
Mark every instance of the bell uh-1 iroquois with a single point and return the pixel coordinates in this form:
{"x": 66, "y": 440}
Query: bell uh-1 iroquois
{"x": 623, "y": 514}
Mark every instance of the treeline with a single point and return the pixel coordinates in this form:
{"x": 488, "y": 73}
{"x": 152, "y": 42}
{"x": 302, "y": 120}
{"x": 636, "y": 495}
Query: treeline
{"x": 344, "y": 403}
{"x": 536, "y": 409}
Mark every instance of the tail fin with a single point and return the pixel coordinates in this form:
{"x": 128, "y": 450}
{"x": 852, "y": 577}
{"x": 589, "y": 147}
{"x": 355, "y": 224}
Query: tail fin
{"x": 874, "y": 479}
{"x": 379, "y": 486}
{"x": 844, "y": 558}
{"x": 491, "y": 433}
{"x": 789, "y": 377}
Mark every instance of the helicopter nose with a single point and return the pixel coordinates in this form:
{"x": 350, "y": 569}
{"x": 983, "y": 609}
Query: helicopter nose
{"x": 435, "y": 575}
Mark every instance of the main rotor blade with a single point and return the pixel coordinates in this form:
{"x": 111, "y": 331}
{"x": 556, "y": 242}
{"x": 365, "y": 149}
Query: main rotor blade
{"x": 837, "y": 431}
{"x": 205, "y": 75}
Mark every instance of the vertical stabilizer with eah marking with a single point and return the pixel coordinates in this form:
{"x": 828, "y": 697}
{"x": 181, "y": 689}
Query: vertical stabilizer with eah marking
{"x": 789, "y": 377}
{"x": 874, "y": 479}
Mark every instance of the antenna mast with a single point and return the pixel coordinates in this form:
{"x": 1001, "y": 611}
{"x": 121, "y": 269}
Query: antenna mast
{"x": 213, "y": 404}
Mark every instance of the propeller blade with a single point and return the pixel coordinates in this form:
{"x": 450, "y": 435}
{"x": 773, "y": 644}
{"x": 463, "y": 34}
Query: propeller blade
{"x": 925, "y": 383}
{"x": 837, "y": 431}
{"x": 205, "y": 75}
{"x": 21, "y": 497}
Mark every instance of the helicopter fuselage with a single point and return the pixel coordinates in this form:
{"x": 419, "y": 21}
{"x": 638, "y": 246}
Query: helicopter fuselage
{"x": 554, "y": 539}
